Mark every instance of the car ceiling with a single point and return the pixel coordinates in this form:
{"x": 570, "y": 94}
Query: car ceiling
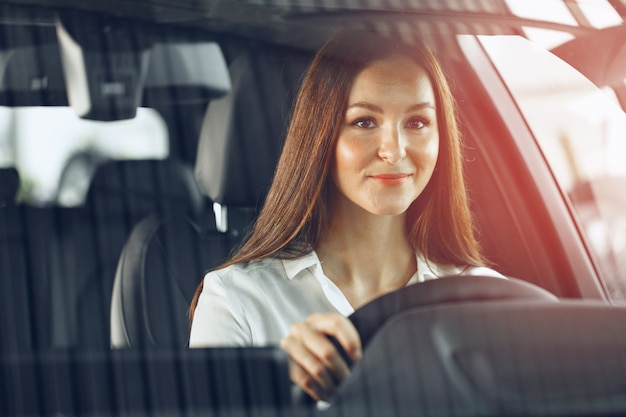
{"x": 305, "y": 23}
{"x": 299, "y": 24}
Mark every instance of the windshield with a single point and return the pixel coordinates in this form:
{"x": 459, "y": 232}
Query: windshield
{"x": 580, "y": 129}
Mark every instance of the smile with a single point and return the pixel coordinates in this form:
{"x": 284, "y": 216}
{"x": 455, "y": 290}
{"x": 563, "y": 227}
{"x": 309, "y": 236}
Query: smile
{"x": 391, "y": 179}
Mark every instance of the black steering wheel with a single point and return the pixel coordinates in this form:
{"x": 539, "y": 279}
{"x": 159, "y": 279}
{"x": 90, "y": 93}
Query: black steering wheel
{"x": 369, "y": 318}
{"x": 453, "y": 289}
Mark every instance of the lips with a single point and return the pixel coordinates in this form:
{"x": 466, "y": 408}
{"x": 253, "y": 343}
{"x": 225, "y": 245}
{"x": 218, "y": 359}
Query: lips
{"x": 391, "y": 179}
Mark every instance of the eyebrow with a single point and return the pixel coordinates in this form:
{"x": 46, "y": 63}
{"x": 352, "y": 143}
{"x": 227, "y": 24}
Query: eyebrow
{"x": 375, "y": 108}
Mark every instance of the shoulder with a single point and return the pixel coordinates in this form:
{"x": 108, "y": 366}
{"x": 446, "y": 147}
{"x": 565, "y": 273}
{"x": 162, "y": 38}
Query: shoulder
{"x": 263, "y": 269}
{"x": 437, "y": 270}
{"x": 234, "y": 303}
{"x": 277, "y": 269}
{"x": 482, "y": 271}
{"x": 253, "y": 303}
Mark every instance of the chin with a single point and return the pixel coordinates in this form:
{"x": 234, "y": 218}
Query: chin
{"x": 390, "y": 211}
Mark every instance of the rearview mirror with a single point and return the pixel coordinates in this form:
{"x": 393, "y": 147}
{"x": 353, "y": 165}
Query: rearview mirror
{"x": 105, "y": 62}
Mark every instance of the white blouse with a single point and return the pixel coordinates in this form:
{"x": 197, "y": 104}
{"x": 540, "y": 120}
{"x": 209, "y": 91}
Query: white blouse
{"x": 255, "y": 304}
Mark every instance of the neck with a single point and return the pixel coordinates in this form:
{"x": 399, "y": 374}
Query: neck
{"x": 367, "y": 255}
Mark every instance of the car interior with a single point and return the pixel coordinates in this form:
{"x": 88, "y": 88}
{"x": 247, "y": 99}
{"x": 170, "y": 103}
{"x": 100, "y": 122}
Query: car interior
{"x": 238, "y": 140}
{"x": 95, "y": 297}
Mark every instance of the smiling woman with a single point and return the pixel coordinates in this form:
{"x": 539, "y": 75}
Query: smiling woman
{"x": 366, "y": 218}
{"x": 368, "y": 197}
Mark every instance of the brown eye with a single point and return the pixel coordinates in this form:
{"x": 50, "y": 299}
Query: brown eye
{"x": 416, "y": 124}
{"x": 364, "y": 123}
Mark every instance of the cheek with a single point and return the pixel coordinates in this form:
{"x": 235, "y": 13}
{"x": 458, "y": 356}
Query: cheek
{"x": 427, "y": 154}
{"x": 349, "y": 156}
{"x": 432, "y": 151}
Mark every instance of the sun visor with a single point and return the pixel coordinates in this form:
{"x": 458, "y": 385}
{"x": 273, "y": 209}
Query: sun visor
{"x": 105, "y": 63}
{"x": 185, "y": 73}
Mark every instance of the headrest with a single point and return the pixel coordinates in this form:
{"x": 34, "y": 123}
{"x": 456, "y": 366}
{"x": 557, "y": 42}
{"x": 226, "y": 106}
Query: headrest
{"x": 9, "y": 184}
{"x": 135, "y": 188}
{"x": 185, "y": 73}
{"x": 242, "y": 133}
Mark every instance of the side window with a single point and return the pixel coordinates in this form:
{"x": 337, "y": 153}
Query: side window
{"x": 581, "y": 131}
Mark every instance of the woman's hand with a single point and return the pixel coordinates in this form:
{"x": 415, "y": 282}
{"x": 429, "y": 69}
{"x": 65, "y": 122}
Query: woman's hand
{"x": 316, "y": 365}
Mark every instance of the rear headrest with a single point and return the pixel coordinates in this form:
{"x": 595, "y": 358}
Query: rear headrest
{"x": 9, "y": 184}
{"x": 135, "y": 188}
{"x": 243, "y": 132}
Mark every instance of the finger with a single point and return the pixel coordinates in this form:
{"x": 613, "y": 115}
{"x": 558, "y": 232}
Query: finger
{"x": 314, "y": 373}
{"x": 342, "y": 329}
{"x": 301, "y": 378}
{"x": 318, "y": 344}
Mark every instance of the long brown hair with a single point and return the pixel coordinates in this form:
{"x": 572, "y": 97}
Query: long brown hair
{"x": 296, "y": 210}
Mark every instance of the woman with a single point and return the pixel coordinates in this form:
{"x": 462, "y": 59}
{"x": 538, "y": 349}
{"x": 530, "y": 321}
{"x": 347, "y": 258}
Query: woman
{"x": 368, "y": 197}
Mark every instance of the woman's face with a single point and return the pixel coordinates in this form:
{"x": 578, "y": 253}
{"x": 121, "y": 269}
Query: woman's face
{"x": 388, "y": 145}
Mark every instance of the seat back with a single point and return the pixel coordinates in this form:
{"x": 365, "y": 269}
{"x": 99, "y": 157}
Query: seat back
{"x": 156, "y": 276}
{"x": 29, "y": 262}
{"x": 121, "y": 194}
{"x": 243, "y": 131}
{"x": 14, "y": 286}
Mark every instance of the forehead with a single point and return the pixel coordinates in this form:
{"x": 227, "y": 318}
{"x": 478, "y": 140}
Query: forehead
{"x": 394, "y": 76}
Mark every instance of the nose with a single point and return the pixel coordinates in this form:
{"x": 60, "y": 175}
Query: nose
{"x": 392, "y": 145}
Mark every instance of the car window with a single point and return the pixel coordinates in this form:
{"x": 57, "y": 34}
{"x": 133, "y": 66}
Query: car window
{"x": 71, "y": 148}
{"x": 580, "y": 130}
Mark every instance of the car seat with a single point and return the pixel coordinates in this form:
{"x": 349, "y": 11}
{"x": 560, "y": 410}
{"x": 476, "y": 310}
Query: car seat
{"x": 27, "y": 265}
{"x": 29, "y": 262}
{"x": 238, "y": 148}
{"x": 14, "y": 285}
{"x": 122, "y": 193}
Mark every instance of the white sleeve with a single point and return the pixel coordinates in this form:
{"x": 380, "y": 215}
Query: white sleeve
{"x": 219, "y": 319}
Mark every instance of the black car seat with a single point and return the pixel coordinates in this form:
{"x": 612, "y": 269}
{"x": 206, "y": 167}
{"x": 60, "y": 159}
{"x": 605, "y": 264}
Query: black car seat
{"x": 14, "y": 284}
{"x": 239, "y": 145}
{"x": 27, "y": 265}
{"x": 122, "y": 193}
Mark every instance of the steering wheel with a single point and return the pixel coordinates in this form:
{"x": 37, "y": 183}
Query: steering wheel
{"x": 369, "y": 318}
{"x": 452, "y": 289}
